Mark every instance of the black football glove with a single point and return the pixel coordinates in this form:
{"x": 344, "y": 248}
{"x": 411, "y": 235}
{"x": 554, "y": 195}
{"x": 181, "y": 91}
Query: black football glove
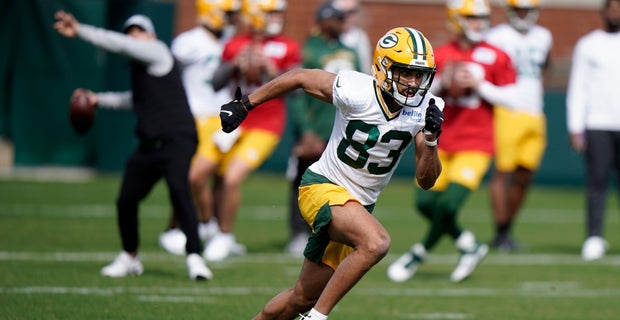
{"x": 433, "y": 119}
{"x": 234, "y": 112}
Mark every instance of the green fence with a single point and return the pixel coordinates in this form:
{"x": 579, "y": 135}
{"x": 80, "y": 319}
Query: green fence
{"x": 39, "y": 70}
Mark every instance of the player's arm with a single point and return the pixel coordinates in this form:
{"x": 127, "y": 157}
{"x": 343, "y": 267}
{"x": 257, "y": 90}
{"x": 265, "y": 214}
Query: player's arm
{"x": 577, "y": 97}
{"x": 113, "y": 100}
{"x": 428, "y": 166}
{"x": 315, "y": 82}
{"x": 151, "y": 52}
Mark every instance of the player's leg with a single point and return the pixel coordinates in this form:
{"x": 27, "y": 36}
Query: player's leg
{"x": 345, "y": 237}
{"x": 498, "y": 186}
{"x": 248, "y": 153}
{"x": 352, "y": 225}
{"x": 467, "y": 172}
{"x": 177, "y": 159}
{"x": 202, "y": 168}
{"x": 599, "y": 160}
{"x": 204, "y": 165}
{"x": 201, "y": 171}
{"x": 178, "y": 155}
{"x": 290, "y": 303}
{"x": 532, "y": 141}
{"x": 299, "y": 229}
{"x": 521, "y": 181}
{"x": 426, "y": 203}
{"x": 508, "y": 132}
{"x": 139, "y": 177}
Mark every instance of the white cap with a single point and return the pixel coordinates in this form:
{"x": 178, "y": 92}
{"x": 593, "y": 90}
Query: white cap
{"x": 141, "y": 21}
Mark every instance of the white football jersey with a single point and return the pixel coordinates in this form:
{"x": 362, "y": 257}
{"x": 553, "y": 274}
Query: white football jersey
{"x": 528, "y": 53}
{"x": 200, "y": 54}
{"x": 367, "y": 140}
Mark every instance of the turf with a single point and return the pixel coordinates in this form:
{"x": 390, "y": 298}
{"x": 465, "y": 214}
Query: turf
{"x": 55, "y": 237}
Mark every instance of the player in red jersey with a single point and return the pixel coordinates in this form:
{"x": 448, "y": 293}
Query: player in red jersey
{"x": 474, "y": 76}
{"x": 250, "y": 59}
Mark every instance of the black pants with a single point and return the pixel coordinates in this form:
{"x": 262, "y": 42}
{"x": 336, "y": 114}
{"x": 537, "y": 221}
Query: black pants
{"x": 152, "y": 160}
{"x": 602, "y": 159}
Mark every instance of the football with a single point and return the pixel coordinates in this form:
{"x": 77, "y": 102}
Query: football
{"x": 452, "y": 79}
{"x": 81, "y": 111}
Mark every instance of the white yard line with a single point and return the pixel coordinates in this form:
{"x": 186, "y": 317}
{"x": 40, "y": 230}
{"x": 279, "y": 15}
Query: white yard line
{"x": 268, "y": 213}
{"x": 183, "y": 295}
{"x": 281, "y": 258}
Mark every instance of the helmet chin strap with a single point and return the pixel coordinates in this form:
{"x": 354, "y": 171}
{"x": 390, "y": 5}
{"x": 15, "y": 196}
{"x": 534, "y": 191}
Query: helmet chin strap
{"x": 406, "y": 101}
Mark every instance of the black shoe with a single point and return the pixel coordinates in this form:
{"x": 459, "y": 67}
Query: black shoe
{"x": 506, "y": 244}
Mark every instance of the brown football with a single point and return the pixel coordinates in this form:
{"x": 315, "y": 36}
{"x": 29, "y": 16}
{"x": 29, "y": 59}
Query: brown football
{"x": 452, "y": 89}
{"x": 81, "y": 111}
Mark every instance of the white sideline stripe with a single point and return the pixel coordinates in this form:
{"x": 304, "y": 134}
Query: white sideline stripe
{"x": 270, "y": 212}
{"x": 184, "y": 295}
{"x": 175, "y": 299}
{"x": 437, "y": 316}
{"x": 281, "y": 258}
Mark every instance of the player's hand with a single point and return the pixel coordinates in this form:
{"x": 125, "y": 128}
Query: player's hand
{"x": 66, "y": 24}
{"x": 90, "y": 95}
{"x": 234, "y": 112}
{"x": 433, "y": 119}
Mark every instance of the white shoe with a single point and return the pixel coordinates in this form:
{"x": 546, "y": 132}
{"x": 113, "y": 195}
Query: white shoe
{"x": 406, "y": 266}
{"x": 593, "y": 248}
{"x": 221, "y": 246}
{"x": 206, "y": 230}
{"x": 123, "y": 265}
{"x": 173, "y": 241}
{"x": 197, "y": 268}
{"x": 297, "y": 245}
{"x": 468, "y": 262}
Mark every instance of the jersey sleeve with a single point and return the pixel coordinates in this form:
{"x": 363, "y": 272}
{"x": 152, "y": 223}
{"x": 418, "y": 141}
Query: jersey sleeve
{"x": 504, "y": 71}
{"x": 352, "y": 89}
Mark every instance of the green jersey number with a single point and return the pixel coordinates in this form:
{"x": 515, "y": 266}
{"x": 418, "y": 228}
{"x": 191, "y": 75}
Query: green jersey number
{"x": 372, "y": 137}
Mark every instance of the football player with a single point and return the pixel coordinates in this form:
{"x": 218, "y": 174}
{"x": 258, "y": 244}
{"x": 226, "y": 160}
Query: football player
{"x": 520, "y": 129}
{"x": 199, "y": 51}
{"x": 377, "y": 118}
{"x": 249, "y": 60}
{"x": 466, "y": 148}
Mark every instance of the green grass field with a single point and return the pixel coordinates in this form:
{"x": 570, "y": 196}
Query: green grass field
{"x": 55, "y": 237}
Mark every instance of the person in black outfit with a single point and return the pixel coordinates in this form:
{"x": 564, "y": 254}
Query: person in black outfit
{"x": 165, "y": 129}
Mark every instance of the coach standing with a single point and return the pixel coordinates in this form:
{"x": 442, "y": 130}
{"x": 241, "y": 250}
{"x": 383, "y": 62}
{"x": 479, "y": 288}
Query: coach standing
{"x": 165, "y": 129}
{"x": 593, "y": 116}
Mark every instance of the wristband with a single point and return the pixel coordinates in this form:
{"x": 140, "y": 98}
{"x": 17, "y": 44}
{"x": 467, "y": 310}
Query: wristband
{"x": 431, "y": 143}
{"x": 246, "y": 103}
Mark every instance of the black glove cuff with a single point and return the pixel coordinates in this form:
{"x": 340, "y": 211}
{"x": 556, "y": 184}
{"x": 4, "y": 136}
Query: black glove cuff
{"x": 246, "y": 102}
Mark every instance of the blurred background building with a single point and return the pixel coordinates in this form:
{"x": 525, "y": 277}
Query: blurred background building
{"x": 38, "y": 72}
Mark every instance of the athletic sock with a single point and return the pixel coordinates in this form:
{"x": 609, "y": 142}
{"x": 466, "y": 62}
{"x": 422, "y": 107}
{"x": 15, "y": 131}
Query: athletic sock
{"x": 502, "y": 229}
{"x": 315, "y": 315}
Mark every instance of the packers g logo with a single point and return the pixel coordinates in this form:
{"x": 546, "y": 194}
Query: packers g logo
{"x": 388, "y": 41}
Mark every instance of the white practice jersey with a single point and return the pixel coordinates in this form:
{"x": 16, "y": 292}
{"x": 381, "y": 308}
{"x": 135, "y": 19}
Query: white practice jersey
{"x": 200, "y": 54}
{"x": 528, "y": 53}
{"x": 367, "y": 140}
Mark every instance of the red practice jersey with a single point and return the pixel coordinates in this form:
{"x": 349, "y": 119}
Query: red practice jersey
{"x": 286, "y": 54}
{"x": 468, "y": 124}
